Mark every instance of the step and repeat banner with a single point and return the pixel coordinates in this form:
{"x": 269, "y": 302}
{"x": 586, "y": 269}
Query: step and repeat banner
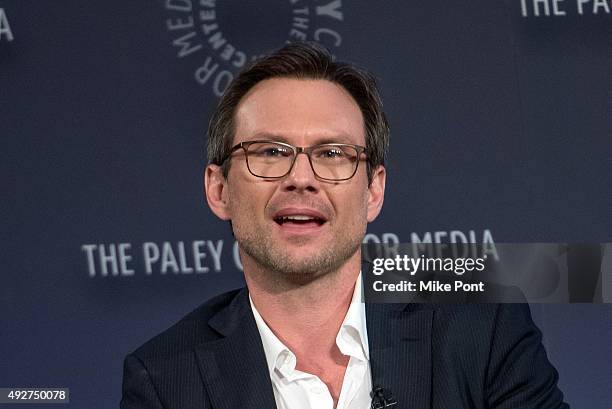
{"x": 501, "y": 132}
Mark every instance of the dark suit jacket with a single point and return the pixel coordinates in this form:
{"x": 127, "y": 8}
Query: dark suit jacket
{"x": 428, "y": 355}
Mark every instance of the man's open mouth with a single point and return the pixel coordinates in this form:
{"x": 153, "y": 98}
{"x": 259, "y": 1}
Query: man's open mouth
{"x": 299, "y": 219}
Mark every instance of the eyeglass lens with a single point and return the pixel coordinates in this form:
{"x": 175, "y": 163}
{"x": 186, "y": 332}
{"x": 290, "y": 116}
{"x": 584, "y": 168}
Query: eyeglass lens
{"x": 270, "y": 160}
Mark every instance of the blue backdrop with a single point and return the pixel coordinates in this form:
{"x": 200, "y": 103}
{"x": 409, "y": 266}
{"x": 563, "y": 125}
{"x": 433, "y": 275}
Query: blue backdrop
{"x": 500, "y": 115}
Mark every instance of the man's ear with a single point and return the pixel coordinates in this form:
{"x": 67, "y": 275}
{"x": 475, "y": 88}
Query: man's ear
{"x": 376, "y": 192}
{"x": 215, "y": 188}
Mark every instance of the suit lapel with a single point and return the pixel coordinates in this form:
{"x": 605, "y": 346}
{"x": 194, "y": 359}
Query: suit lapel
{"x": 399, "y": 339}
{"x": 234, "y": 367}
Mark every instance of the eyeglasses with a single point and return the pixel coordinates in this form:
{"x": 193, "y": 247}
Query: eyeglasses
{"x": 273, "y": 160}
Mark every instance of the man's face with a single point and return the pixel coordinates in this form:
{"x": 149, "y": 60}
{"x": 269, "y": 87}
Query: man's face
{"x": 329, "y": 218}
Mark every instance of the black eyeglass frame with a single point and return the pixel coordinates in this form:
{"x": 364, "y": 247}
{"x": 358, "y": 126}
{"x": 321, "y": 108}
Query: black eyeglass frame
{"x": 296, "y": 151}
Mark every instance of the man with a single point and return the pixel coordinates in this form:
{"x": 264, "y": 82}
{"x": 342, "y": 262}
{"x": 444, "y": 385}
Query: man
{"x": 296, "y": 153}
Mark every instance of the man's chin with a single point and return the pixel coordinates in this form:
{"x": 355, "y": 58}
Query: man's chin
{"x": 304, "y": 260}
{"x": 301, "y": 273}
{"x": 308, "y": 263}
{"x": 300, "y": 257}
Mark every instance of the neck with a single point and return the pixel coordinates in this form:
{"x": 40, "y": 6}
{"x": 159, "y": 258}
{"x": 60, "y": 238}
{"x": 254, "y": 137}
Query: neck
{"x": 305, "y": 313}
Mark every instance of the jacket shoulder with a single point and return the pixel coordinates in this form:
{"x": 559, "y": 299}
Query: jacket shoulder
{"x": 189, "y": 331}
{"x": 480, "y": 322}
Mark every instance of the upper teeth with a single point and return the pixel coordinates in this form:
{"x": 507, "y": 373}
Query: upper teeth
{"x": 297, "y": 217}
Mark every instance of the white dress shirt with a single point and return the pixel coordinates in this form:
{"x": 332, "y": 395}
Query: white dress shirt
{"x": 294, "y": 389}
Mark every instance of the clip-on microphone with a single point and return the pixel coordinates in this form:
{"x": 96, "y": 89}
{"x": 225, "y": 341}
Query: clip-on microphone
{"x": 382, "y": 398}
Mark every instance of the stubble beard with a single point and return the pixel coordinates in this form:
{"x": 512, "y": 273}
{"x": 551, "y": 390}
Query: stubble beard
{"x": 289, "y": 267}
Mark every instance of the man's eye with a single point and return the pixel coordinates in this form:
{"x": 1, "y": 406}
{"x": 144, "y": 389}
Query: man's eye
{"x": 271, "y": 152}
{"x": 332, "y": 153}
{"x": 274, "y": 152}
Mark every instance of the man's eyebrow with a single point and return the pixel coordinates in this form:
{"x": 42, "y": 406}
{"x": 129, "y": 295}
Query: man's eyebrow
{"x": 334, "y": 139}
{"x": 339, "y": 138}
{"x": 268, "y": 137}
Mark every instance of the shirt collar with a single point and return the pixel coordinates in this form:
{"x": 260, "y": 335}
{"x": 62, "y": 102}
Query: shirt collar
{"x": 352, "y": 338}
{"x": 273, "y": 346}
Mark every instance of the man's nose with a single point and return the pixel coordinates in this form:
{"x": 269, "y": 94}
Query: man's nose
{"x": 301, "y": 176}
